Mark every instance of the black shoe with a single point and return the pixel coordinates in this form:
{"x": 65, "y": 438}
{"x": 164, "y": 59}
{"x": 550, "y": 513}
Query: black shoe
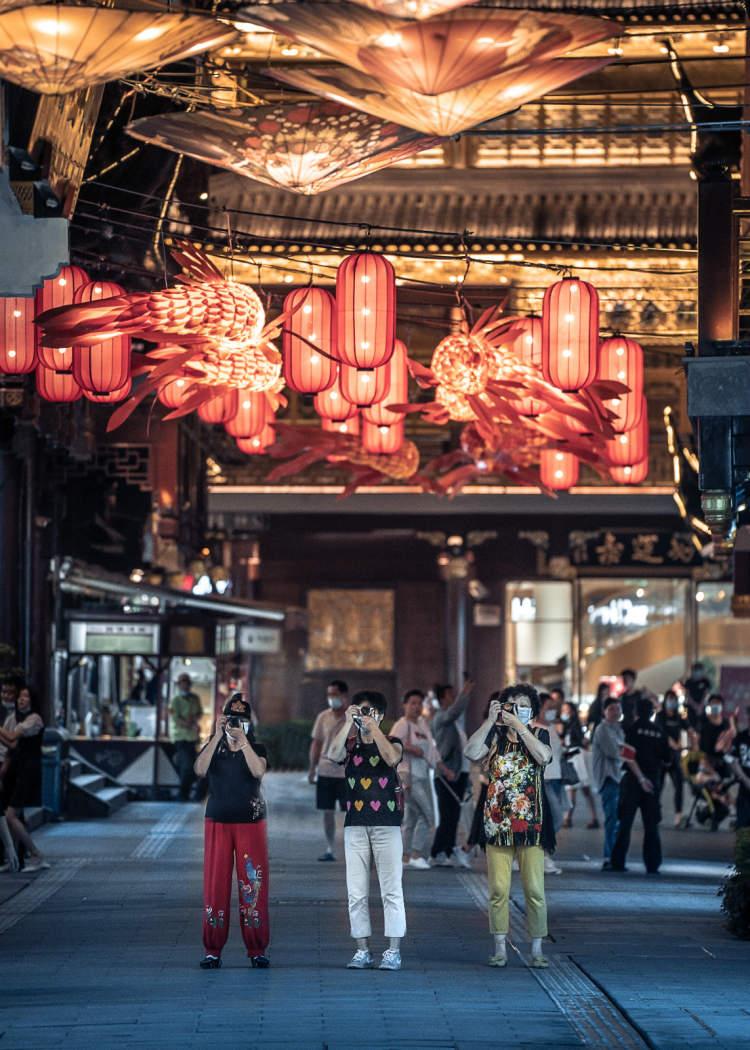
{"x": 607, "y": 865}
{"x": 654, "y": 872}
{"x": 260, "y": 962}
{"x": 210, "y": 962}
{"x": 327, "y": 856}
{"x": 613, "y": 867}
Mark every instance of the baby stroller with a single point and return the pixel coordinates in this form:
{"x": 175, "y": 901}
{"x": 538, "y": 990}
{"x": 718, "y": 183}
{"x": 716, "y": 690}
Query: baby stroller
{"x": 709, "y": 786}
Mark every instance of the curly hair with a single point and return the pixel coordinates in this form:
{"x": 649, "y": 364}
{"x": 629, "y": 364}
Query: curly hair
{"x": 525, "y": 690}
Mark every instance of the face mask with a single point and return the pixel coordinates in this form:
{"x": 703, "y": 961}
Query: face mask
{"x": 550, "y": 716}
{"x": 671, "y": 705}
{"x": 184, "y": 690}
{"x": 335, "y": 702}
{"x": 524, "y": 714}
{"x": 564, "y": 717}
{"x": 714, "y": 709}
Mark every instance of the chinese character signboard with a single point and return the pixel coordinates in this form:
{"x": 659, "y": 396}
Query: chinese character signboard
{"x": 633, "y": 548}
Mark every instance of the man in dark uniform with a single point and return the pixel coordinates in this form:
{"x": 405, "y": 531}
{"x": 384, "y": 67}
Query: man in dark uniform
{"x": 646, "y": 753}
{"x": 629, "y": 697}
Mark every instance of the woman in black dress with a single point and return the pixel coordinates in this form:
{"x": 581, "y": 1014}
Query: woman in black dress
{"x": 24, "y": 743}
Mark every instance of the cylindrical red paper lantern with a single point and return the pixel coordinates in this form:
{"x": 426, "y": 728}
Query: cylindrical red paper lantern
{"x": 56, "y": 386}
{"x": 381, "y": 439}
{"x": 621, "y": 361}
{"x": 625, "y": 450}
{"x": 558, "y": 469}
{"x": 365, "y": 310}
{"x": 311, "y": 327}
{"x": 57, "y": 291}
{"x": 398, "y": 393}
{"x": 346, "y": 426}
{"x": 17, "y": 336}
{"x": 220, "y": 409}
{"x": 174, "y": 393}
{"x": 112, "y": 396}
{"x": 570, "y": 334}
{"x": 633, "y": 474}
{"x": 256, "y": 446}
{"x": 253, "y": 412}
{"x": 365, "y": 387}
{"x": 527, "y": 346}
{"x": 105, "y": 366}
{"x": 331, "y": 403}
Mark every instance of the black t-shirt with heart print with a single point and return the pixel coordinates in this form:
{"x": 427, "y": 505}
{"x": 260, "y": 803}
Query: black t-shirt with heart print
{"x": 371, "y": 799}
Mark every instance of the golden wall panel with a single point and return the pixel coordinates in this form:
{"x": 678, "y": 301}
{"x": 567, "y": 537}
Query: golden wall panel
{"x": 350, "y": 630}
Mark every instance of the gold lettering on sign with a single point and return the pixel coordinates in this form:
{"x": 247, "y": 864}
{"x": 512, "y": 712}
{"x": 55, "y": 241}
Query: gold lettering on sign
{"x": 643, "y": 549}
{"x": 609, "y": 551}
{"x": 350, "y": 630}
{"x": 681, "y": 550}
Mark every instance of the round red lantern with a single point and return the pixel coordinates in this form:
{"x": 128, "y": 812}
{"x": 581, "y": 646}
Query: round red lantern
{"x": 57, "y": 291}
{"x": 365, "y": 310}
{"x": 174, "y": 393}
{"x": 381, "y": 439}
{"x": 398, "y": 393}
{"x": 310, "y": 329}
{"x": 570, "y": 334}
{"x": 331, "y": 403}
{"x": 56, "y": 386}
{"x": 347, "y": 426}
{"x": 527, "y": 347}
{"x": 621, "y": 361}
{"x": 111, "y": 397}
{"x": 256, "y": 446}
{"x": 252, "y": 415}
{"x": 364, "y": 387}
{"x": 633, "y": 474}
{"x": 17, "y": 336}
{"x": 220, "y": 409}
{"x": 557, "y": 469}
{"x": 105, "y": 366}
{"x": 625, "y": 450}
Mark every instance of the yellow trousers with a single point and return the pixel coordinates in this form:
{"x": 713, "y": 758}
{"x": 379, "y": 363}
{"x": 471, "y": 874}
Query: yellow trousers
{"x": 499, "y": 871}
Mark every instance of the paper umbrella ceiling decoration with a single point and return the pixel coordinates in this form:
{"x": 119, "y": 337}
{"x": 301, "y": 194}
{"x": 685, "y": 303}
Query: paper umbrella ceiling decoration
{"x": 521, "y": 422}
{"x": 436, "y": 55}
{"x": 413, "y": 8}
{"x": 54, "y": 49}
{"x": 305, "y": 147}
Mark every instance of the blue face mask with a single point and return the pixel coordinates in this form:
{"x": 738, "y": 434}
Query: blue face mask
{"x": 524, "y": 714}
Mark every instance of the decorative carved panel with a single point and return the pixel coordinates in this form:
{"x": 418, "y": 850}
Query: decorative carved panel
{"x": 350, "y": 630}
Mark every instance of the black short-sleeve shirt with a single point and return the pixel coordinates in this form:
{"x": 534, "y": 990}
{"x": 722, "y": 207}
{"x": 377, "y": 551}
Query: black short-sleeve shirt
{"x": 652, "y": 752}
{"x": 371, "y": 798}
{"x": 234, "y": 794}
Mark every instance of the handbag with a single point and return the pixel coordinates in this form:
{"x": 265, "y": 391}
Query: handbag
{"x": 568, "y": 773}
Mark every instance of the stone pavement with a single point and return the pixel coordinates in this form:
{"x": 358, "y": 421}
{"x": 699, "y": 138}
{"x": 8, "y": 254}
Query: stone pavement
{"x": 102, "y": 950}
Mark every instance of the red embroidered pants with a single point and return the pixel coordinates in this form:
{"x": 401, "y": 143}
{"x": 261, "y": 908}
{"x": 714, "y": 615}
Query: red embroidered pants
{"x": 246, "y": 846}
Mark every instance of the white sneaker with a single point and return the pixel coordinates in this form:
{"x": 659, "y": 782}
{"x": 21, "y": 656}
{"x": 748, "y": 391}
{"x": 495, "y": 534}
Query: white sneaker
{"x": 361, "y": 960}
{"x": 441, "y": 861}
{"x": 550, "y": 868}
{"x": 37, "y": 865}
{"x": 391, "y": 960}
{"x": 515, "y": 867}
{"x": 461, "y": 858}
{"x": 420, "y": 864}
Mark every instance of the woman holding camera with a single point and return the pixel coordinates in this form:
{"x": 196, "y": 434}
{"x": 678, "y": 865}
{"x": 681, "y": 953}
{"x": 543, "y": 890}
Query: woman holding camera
{"x": 235, "y": 834}
{"x": 515, "y": 755}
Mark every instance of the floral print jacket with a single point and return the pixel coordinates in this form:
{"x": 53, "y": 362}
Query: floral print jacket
{"x": 513, "y": 812}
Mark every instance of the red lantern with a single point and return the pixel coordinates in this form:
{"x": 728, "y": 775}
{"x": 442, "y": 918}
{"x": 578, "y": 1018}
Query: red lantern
{"x": 174, "y": 393}
{"x": 365, "y": 310}
{"x": 527, "y": 346}
{"x": 311, "y": 326}
{"x": 557, "y": 469}
{"x": 331, "y": 403}
{"x": 101, "y": 367}
{"x": 252, "y": 415}
{"x": 621, "y": 361}
{"x": 570, "y": 334}
{"x": 112, "y": 396}
{"x": 220, "y": 409}
{"x": 381, "y": 439}
{"x": 17, "y": 336}
{"x": 625, "y": 450}
{"x": 256, "y": 446}
{"x": 56, "y": 386}
{"x": 632, "y": 474}
{"x": 364, "y": 387}
{"x": 398, "y": 394}
{"x": 57, "y": 291}
{"x": 348, "y": 426}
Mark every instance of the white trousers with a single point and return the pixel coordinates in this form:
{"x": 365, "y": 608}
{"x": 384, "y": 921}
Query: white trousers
{"x": 419, "y": 815}
{"x": 361, "y": 847}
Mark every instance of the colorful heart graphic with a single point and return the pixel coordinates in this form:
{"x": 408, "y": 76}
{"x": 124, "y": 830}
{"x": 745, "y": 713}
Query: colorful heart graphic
{"x": 383, "y": 781}
{"x": 358, "y": 760}
{"x": 374, "y": 760}
{"x": 391, "y": 805}
{"x": 375, "y": 805}
{"x": 365, "y": 782}
{"x": 351, "y": 781}
{"x": 358, "y": 805}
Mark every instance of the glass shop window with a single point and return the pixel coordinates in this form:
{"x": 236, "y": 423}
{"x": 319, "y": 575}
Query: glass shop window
{"x": 539, "y": 632}
{"x": 723, "y": 642}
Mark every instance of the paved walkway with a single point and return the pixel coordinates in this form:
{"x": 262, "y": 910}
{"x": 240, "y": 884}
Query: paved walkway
{"x": 102, "y": 950}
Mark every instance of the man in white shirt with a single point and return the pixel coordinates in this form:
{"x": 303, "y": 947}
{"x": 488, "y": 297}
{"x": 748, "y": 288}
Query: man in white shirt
{"x": 328, "y": 776}
{"x": 606, "y": 754}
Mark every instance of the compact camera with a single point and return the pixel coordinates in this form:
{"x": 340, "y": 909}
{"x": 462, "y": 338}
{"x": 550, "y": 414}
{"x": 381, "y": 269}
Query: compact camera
{"x": 234, "y": 722}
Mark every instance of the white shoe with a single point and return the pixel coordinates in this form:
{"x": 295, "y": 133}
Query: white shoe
{"x": 514, "y": 866}
{"x": 361, "y": 960}
{"x": 550, "y": 868}
{"x": 391, "y": 960}
{"x": 37, "y": 865}
{"x": 441, "y": 861}
{"x": 461, "y": 859}
{"x": 419, "y": 863}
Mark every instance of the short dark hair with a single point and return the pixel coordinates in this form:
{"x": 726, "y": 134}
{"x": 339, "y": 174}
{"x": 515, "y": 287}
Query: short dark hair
{"x": 644, "y": 707}
{"x": 338, "y": 684}
{"x": 714, "y": 698}
{"x": 630, "y": 672}
{"x": 609, "y": 701}
{"x": 558, "y": 689}
{"x": 15, "y": 681}
{"x": 33, "y": 697}
{"x": 525, "y": 690}
{"x": 410, "y": 693}
{"x": 371, "y": 697}
{"x": 441, "y": 690}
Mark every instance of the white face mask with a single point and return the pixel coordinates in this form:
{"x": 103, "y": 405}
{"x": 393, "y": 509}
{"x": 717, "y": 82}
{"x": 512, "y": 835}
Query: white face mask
{"x": 335, "y": 702}
{"x": 550, "y": 716}
{"x": 524, "y": 714}
{"x": 564, "y": 717}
